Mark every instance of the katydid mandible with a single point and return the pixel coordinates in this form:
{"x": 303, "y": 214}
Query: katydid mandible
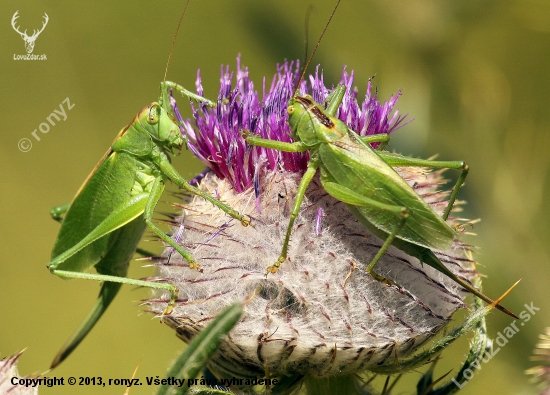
{"x": 104, "y": 223}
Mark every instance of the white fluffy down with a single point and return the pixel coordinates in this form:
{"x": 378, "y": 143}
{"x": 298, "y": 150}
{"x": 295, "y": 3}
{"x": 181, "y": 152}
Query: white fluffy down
{"x": 303, "y": 319}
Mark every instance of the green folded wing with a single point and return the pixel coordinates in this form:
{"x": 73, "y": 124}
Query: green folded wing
{"x": 359, "y": 169}
{"x": 107, "y": 190}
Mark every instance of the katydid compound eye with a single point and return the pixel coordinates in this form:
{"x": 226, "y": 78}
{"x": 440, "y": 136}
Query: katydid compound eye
{"x": 154, "y": 113}
{"x": 290, "y": 109}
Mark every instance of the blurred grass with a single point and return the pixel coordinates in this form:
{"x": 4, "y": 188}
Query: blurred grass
{"x": 474, "y": 76}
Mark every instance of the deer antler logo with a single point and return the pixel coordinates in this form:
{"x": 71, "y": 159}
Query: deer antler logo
{"x": 29, "y": 40}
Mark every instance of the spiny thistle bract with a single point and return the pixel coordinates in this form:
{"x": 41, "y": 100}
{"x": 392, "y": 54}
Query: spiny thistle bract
{"x": 8, "y": 371}
{"x": 321, "y": 315}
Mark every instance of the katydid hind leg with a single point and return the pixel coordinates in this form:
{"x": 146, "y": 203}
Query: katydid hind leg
{"x": 423, "y": 254}
{"x": 124, "y": 280}
{"x": 58, "y": 211}
{"x": 387, "y": 243}
{"x": 306, "y": 179}
{"x": 112, "y": 270}
{"x": 109, "y": 289}
{"x": 400, "y": 160}
{"x": 354, "y": 200}
{"x": 383, "y": 140}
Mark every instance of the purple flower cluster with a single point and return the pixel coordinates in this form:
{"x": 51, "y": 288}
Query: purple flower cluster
{"x": 215, "y": 137}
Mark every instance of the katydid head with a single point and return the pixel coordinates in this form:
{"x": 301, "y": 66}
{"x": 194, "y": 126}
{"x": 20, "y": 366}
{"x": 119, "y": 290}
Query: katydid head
{"x": 158, "y": 123}
{"x": 310, "y": 124}
{"x": 301, "y": 126}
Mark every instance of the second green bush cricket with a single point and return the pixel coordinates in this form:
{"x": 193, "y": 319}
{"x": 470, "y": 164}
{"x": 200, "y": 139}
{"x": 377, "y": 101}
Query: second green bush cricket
{"x": 105, "y": 221}
{"x": 353, "y": 172}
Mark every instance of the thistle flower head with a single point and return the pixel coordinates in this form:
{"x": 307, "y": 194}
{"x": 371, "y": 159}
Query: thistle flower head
{"x": 214, "y": 138}
{"x": 321, "y": 314}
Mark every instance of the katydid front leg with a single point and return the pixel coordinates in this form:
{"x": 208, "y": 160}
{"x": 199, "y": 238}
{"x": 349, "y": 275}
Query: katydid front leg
{"x": 252, "y": 139}
{"x": 166, "y": 85}
{"x": 312, "y": 167}
{"x": 184, "y": 92}
{"x": 164, "y": 100}
{"x": 173, "y": 175}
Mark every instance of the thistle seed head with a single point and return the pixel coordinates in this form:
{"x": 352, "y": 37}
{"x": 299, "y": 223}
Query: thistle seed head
{"x": 321, "y": 314}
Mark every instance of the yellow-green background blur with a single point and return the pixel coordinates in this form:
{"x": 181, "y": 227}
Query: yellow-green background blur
{"x": 475, "y": 76}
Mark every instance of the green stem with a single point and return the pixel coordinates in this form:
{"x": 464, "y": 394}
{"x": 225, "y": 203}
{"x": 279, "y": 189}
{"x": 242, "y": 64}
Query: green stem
{"x": 341, "y": 385}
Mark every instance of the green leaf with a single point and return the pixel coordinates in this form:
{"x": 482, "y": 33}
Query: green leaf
{"x": 202, "y": 347}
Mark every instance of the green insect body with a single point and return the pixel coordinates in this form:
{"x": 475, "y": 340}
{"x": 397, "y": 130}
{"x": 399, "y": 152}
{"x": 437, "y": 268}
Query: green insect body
{"x": 105, "y": 221}
{"x": 363, "y": 178}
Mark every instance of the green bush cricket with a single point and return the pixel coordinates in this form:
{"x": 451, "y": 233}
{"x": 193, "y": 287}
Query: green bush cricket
{"x": 104, "y": 223}
{"x": 364, "y": 179}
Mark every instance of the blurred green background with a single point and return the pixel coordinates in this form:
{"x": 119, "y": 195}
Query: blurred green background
{"x": 474, "y": 75}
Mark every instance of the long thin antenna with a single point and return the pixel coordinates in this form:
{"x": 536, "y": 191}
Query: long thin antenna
{"x": 174, "y": 41}
{"x": 316, "y": 46}
{"x": 306, "y": 31}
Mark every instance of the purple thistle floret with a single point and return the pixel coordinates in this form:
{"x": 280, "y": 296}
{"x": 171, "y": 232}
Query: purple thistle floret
{"x": 318, "y": 222}
{"x": 215, "y": 137}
